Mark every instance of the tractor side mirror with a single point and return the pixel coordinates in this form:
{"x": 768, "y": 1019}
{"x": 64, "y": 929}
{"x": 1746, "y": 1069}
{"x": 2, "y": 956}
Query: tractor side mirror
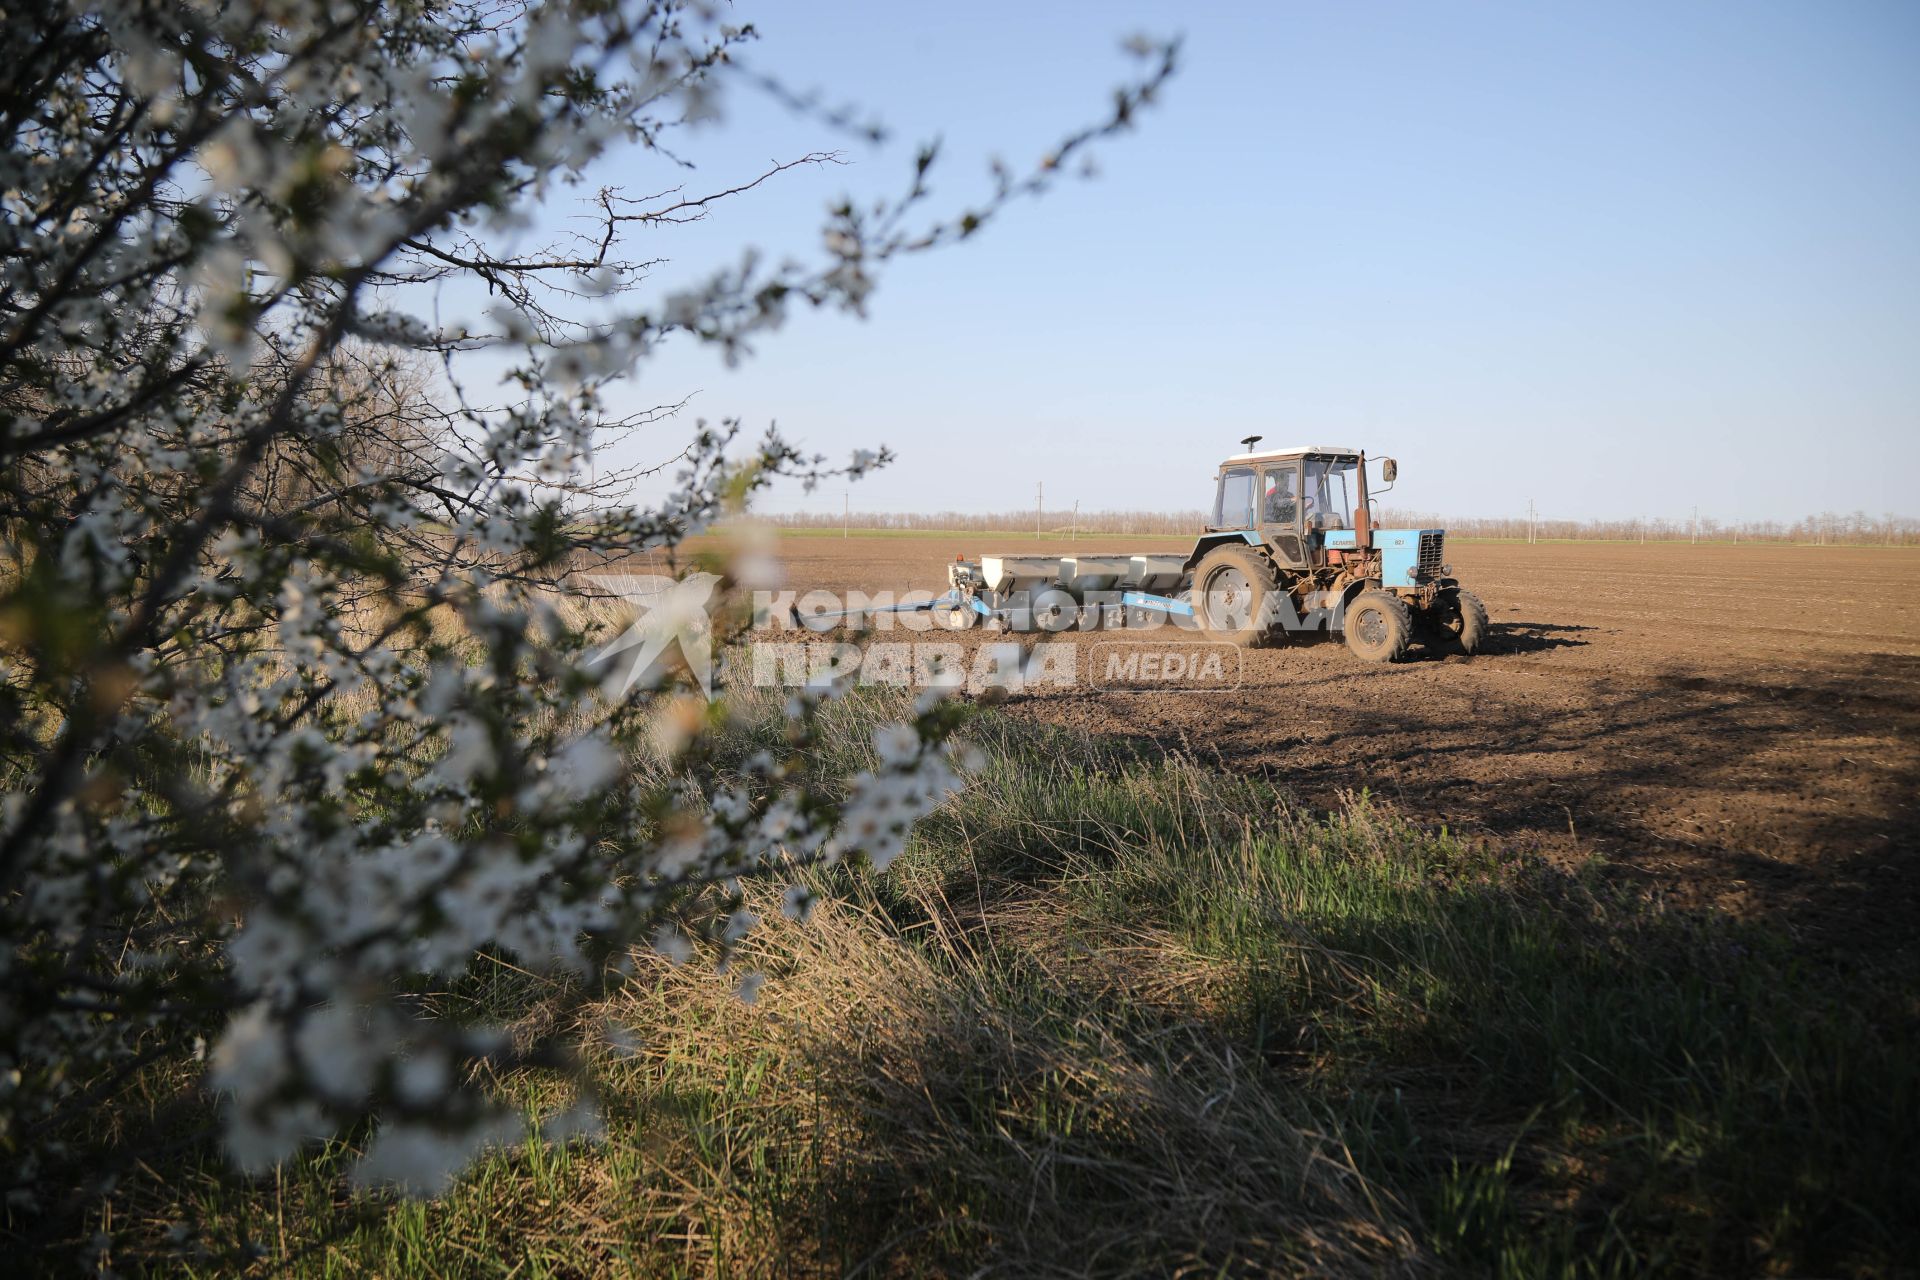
{"x": 1389, "y": 469}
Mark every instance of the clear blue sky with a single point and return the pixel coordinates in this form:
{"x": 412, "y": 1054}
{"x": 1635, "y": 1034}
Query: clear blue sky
{"x": 1610, "y": 257}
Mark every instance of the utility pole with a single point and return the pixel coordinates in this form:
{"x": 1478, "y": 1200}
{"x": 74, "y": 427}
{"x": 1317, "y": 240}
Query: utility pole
{"x": 1039, "y": 504}
{"x": 1533, "y": 534}
{"x": 1693, "y": 531}
{"x": 1073, "y": 530}
{"x": 846, "y": 514}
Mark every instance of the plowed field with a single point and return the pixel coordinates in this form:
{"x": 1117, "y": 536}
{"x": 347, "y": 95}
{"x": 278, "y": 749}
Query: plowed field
{"x": 1729, "y": 727}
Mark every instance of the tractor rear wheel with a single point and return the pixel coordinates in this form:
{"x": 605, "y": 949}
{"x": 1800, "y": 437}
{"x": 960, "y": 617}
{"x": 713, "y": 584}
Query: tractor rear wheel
{"x": 1462, "y": 620}
{"x": 1379, "y": 626}
{"x": 1232, "y": 590}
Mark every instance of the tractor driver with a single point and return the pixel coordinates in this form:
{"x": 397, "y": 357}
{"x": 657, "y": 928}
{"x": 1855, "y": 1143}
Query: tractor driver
{"x": 1280, "y": 505}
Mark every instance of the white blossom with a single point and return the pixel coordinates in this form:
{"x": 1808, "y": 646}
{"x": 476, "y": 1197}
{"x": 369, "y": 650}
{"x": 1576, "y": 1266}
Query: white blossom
{"x": 797, "y": 903}
{"x": 337, "y": 733}
{"x": 896, "y": 744}
{"x": 422, "y": 1160}
{"x": 748, "y": 988}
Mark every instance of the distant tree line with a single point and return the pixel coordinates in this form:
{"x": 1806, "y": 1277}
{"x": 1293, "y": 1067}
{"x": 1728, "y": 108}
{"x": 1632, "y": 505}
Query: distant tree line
{"x": 1032, "y": 521}
{"x": 1825, "y": 529}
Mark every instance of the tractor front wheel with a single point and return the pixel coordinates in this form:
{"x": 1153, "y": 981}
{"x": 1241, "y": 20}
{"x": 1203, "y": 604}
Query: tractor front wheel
{"x": 1462, "y": 620}
{"x": 1379, "y": 626}
{"x": 1232, "y": 589}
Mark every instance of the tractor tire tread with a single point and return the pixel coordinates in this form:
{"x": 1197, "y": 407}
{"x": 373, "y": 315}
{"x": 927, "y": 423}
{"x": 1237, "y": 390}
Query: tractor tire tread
{"x": 1473, "y": 623}
{"x": 1399, "y": 624}
{"x": 1261, "y": 574}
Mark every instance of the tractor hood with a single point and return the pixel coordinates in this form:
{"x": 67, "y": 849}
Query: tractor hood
{"x": 1408, "y": 557}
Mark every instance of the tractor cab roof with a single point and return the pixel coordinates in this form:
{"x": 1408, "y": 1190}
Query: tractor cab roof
{"x": 1268, "y": 455}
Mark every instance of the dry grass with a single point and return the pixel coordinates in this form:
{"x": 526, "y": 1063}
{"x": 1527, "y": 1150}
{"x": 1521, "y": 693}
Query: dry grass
{"x": 964, "y": 1103}
{"x": 1124, "y": 1015}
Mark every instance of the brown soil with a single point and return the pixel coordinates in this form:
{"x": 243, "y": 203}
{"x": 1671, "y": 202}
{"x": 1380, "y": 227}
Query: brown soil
{"x": 1731, "y": 727}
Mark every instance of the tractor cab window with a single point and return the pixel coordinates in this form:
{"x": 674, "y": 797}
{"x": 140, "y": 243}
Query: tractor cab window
{"x": 1281, "y": 505}
{"x": 1327, "y": 493}
{"x": 1235, "y": 508}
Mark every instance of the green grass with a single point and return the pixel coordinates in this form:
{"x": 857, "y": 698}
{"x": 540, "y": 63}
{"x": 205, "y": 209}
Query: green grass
{"x": 1568, "y": 1083}
{"x": 1122, "y": 1013}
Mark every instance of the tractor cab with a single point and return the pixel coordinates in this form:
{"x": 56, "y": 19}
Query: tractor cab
{"x": 1305, "y": 504}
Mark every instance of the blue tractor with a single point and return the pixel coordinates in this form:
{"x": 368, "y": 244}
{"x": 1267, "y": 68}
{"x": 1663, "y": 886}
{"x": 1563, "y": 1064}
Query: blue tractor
{"x": 1290, "y": 549}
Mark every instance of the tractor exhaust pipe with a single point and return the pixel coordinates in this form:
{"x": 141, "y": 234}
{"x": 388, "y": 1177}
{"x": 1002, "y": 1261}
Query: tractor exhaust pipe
{"x": 1363, "y": 514}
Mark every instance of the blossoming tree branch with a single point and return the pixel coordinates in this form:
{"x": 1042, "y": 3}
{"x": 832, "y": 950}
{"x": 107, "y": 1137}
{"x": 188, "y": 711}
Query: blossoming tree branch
{"x": 292, "y": 717}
